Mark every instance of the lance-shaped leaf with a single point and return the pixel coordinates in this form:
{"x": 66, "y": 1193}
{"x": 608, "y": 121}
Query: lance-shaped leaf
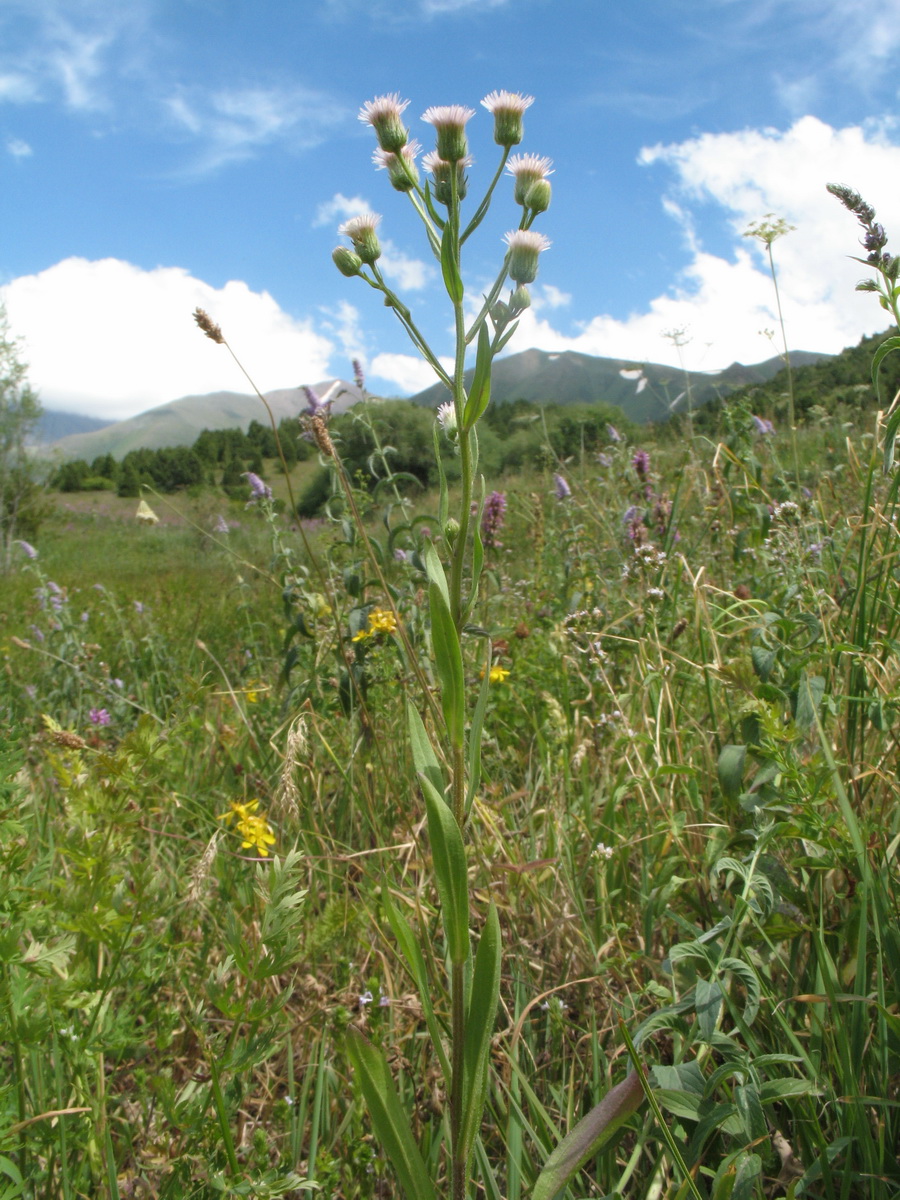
{"x": 390, "y": 1121}
{"x": 731, "y": 770}
{"x": 412, "y": 952}
{"x": 449, "y": 269}
{"x": 449, "y": 856}
{"x": 449, "y": 663}
{"x": 480, "y": 1020}
{"x": 480, "y": 391}
{"x": 591, "y": 1135}
{"x": 425, "y": 760}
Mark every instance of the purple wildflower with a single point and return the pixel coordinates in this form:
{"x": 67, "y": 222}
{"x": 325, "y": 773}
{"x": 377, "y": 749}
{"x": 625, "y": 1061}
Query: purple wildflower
{"x": 358, "y": 376}
{"x": 763, "y": 426}
{"x": 313, "y": 403}
{"x": 492, "y": 519}
{"x": 401, "y": 555}
{"x": 614, "y": 435}
{"x": 563, "y": 491}
{"x": 99, "y": 716}
{"x": 30, "y": 691}
{"x": 641, "y": 463}
{"x": 138, "y": 607}
{"x": 221, "y": 525}
{"x": 630, "y": 513}
{"x": 27, "y": 549}
{"x": 37, "y": 633}
{"x": 260, "y": 490}
{"x": 604, "y": 460}
{"x": 85, "y": 617}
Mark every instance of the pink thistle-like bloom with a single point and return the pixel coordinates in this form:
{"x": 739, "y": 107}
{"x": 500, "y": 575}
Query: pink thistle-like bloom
{"x": 361, "y": 232}
{"x": 400, "y": 166}
{"x": 492, "y": 519}
{"x": 507, "y": 109}
{"x": 641, "y": 463}
{"x": 384, "y": 114}
{"x": 449, "y": 121}
{"x": 527, "y": 170}
{"x": 440, "y": 170}
{"x": 525, "y": 245}
{"x": 99, "y": 716}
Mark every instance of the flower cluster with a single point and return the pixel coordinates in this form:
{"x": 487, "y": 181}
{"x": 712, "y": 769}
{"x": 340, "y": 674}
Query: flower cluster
{"x": 258, "y": 489}
{"x": 251, "y": 825}
{"x": 492, "y": 519}
{"x": 381, "y": 620}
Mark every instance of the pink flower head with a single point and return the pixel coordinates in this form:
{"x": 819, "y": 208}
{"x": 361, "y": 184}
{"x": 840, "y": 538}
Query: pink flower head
{"x": 99, "y": 716}
{"x": 524, "y": 247}
{"x": 507, "y": 109}
{"x": 527, "y": 170}
{"x": 641, "y": 463}
{"x": 449, "y": 121}
{"x": 400, "y": 166}
{"x": 384, "y": 114}
{"x": 361, "y": 232}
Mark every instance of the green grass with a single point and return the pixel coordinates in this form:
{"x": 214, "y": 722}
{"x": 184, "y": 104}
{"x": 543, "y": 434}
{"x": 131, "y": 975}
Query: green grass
{"x": 688, "y": 822}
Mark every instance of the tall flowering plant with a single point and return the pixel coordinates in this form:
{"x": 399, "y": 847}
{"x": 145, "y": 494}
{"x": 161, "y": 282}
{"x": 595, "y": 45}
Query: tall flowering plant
{"x": 445, "y": 738}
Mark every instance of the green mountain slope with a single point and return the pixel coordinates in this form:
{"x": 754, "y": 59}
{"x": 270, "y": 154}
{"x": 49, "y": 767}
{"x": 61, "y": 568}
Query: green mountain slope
{"x": 644, "y": 392}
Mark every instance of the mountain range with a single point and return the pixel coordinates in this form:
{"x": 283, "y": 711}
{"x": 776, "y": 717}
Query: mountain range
{"x": 647, "y": 392}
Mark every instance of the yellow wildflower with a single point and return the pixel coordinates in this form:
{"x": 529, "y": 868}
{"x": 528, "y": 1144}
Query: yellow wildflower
{"x": 381, "y": 620}
{"x": 496, "y": 674}
{"x": 252, "y": 826}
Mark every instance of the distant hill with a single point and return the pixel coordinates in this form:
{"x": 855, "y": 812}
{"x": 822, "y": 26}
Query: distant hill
{"x": 54, "y": 425}
{"x": 180, "y": 422}
{"x": 644, "y": 392}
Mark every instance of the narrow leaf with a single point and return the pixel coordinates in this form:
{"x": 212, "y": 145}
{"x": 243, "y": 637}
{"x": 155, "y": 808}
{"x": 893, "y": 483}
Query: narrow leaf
{"x": 415, "y": 960}
{"x": 480, "y": 1021}
{"x": 480, "y": 391}
{"x": 390, "y": 1121}
{"x": 448, "y": 660}
{"x": 809, "y": 697}
{"x": 452, "y": 278}
{"x": 591, "y": 1135}
{"x": 449, "y": 856}
{"x": 425, "y": 760}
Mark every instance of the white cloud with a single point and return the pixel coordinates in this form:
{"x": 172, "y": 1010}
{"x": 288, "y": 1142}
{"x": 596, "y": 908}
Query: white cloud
{"x": 18, "y": 149}
{"x": 232, "y": 124}
{"x": 727, "y": 303}
{"x": 409, "y": 274}
{"x": 110, "y": 339}
{"x": 406, "y": 372}
{"x": 340, "y": 208}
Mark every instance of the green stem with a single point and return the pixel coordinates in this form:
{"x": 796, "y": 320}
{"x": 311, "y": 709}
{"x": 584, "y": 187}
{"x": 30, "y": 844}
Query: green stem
{"x": 457, "y": 1030}
{"x": 787, "y": 363}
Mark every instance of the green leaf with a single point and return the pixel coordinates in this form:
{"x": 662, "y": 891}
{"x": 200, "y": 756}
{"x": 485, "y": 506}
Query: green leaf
{"x": 591, "y": 1135}
{"x": 449, "y": 664}
{"x": 746, "y": 1098}
{"x": 886, "y": 348}
{"x": 763, "y": 661}
{"x": 452, "y": 278}
{"x": 480, "y": 391}
{"x": 449, "y": 856}
{"x": 390, "y": 1121}
{"x": 748, "y": 1174}
{"x": 480, "y": 1021}
{"x": 708, "y": 998}
{"x": 425, "y": 760}
{"x": 434, "y": 569}
{"x": 415, "y": 960}
{"x": 731, "y": 770}
{"x": 809, "y": 697}
{"x": 750, "y": 980}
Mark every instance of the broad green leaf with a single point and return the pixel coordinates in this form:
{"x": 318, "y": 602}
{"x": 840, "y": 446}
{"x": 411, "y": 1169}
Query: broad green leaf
{"x": 415, "y": 960}
{"x": 480, "y": 1020}
{"x": 434, "y": 569}
{"x": 749, "y": 978}
{"x": 449, "y": 269}
{"x": 480, "y": 391}
{"x": 731, "y": 770}
{"x": 886, "y": 347}
{"x": 390, "y": 1121}
{"x": 449, "y": 664}
{"x": 449, "y": 856}
{"x": 746, "y": 1098}
{"x": 425, "y": 760}
{"x": 777, "y": 1089}
{"x": 748, "y": 1174}
{"x": 591, "y": 1135}
{"x": 763, "y": 662}
{"x": 708, "y": 998}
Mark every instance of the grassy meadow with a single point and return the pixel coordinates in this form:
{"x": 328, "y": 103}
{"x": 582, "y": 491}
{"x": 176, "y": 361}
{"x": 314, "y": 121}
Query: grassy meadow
{"x": 687, "y": 820}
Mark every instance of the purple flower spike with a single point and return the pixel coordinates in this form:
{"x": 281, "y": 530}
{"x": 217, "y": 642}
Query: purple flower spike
{"x": 492, "y": 519}
{"x": 260, "y": 490}
{"x": 358, "y": 376}
{"x": 614, "y": 435}
{"x": 763, "y": 426}
{"x": 641, "y": 463}
{"x": 563, "y": 491}
{"x": 27, "y": 549}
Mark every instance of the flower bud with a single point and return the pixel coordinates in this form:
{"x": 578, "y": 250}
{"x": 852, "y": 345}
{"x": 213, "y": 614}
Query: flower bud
{"x": 440, "y": 172}
{"x": 537, "y": 198}
{"x": 347, "y": 261}
{"x": 522, "y": 259}
{"x": 519, "y": 301}
{"x": 527, "y": 170}
{"x": 401, "y": 167}
{"x": 451, "y": 530}
{"x": 500, "y": 314}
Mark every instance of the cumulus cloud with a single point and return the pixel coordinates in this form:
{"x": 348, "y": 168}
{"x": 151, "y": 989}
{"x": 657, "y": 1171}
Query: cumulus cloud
{"x": 726, "y": 304}
{"x": 109, "y": 339}
{"x": 408, "y": 274}
{"x": 18, "y": 149}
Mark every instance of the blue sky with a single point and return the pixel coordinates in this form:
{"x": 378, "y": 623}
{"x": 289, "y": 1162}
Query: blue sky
{"x": 159, "y": 154}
